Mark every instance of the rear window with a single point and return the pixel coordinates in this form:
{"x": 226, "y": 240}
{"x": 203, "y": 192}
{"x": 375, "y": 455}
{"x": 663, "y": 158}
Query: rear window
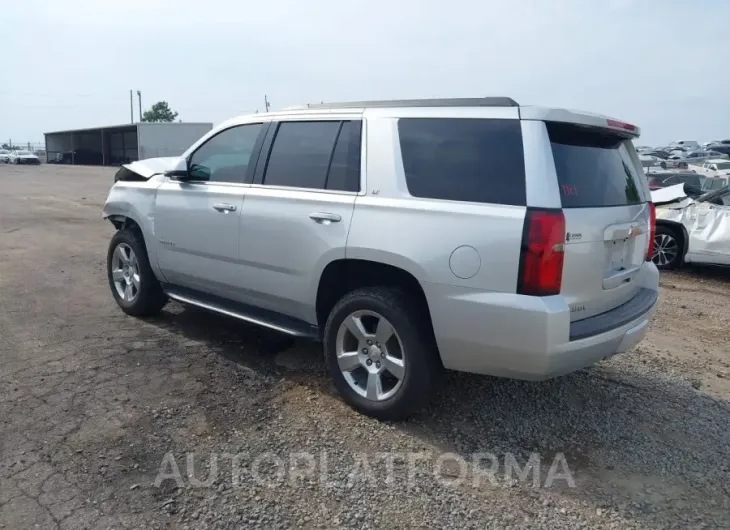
{"x": 475, "y": 160}
{"x": 594, "y": 168}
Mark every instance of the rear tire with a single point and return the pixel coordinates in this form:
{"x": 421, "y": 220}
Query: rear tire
{"x": 134, "y": 286}
{"x": 668, "y": 248}
{"x": 406, "y": 365}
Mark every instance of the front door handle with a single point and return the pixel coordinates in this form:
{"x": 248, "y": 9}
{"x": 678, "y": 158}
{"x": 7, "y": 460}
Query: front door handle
{"x": 325, "y": 218}
{"x": 223, "y": 207}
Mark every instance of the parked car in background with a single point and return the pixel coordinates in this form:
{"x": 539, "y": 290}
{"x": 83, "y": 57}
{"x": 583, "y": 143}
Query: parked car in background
{"x": 4, "y": 155}
{"x": 720, "y": 148}
{"x": 663, "y": 179}
{"x": 687, "y": 144}
{"x": 495, "y": 262}
{"x": 691, "y": 229}
{"x": 714, "y": 167}
{"x": 23, "y": 157}
{"x": 659, "y": 153}
{"x": 715, "y": 183}
{"x": 695, "y": 157}
{"x": 676, "y": 160}
{"x": 651, "y": 161}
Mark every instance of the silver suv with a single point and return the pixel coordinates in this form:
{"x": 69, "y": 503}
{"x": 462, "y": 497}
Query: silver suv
{"x": 407, "y": 236}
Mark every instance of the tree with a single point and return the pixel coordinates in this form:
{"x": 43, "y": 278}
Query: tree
{"x": 160, "y": 111}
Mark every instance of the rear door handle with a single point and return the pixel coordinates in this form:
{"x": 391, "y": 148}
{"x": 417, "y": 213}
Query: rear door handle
{"x": 223, "y": 207}
{"x": 325, "y": 218}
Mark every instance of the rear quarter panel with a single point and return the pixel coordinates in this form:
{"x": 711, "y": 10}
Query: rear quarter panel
{"x": 427, "y": 237}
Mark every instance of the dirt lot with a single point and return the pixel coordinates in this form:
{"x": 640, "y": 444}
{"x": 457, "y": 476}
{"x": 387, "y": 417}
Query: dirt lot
{"x": 91, "y": 401}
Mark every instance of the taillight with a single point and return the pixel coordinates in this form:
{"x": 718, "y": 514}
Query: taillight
{"x": 621, "y": 125}
{"x": 541, "y": 258}
{"x": 652, "y": 231}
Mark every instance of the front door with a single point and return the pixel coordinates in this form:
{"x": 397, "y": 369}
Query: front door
{"x": 197, "y": 220}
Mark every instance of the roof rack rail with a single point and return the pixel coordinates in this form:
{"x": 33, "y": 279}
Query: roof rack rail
{"x": 447, "y": 102}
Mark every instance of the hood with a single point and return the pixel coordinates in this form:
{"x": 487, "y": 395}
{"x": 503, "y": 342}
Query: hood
{"x": 152, "y": 166}
{"x": 668, "y": 194}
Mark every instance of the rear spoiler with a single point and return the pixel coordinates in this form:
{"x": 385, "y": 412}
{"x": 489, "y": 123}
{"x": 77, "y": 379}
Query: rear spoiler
{"x": 588, "y": 119}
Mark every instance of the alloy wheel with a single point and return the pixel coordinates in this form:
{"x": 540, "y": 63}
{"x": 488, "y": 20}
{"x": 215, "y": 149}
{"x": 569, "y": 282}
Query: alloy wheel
{"x": 370, "y": 355}
{"x": 125, "y": 272}
{"x": 666, "y": 249}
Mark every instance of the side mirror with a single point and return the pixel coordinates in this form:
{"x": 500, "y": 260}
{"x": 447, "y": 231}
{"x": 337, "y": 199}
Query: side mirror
{"x": 179, "y": 171}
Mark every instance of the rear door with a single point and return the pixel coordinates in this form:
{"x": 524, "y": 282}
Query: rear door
{"x": 297, "y": 214}
{"x": 604, "y": 201}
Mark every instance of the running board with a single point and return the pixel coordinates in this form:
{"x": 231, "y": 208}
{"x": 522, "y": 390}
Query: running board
{"x": 253, "y": 315}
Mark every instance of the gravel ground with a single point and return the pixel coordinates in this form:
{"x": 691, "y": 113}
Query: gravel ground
{"x": 95, "y": 404}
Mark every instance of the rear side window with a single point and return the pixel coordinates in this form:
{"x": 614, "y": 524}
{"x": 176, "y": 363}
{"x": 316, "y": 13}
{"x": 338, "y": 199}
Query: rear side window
{"x": 344, "y": 171}
{"x": 301, "y": 154}
{"x": 475, "y": 160}
{"x": 594, "y": 168}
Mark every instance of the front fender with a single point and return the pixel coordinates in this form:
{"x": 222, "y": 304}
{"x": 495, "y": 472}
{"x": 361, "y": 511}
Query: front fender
{"x": 136, "y": 201}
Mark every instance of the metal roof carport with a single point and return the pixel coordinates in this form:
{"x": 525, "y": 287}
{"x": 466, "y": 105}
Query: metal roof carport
{"x": 121, "y": 144}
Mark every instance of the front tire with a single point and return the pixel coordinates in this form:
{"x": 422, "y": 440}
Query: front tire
{"x": 134, "y": 286}
{"x": 668, "y": 248}
{"x": 381, "y": 353}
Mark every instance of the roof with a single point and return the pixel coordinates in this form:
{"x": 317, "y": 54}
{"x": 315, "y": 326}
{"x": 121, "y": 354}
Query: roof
{"x": 129, "y": 126}
{"x": 389, "y": 103}
{"x": 716, "y": 160}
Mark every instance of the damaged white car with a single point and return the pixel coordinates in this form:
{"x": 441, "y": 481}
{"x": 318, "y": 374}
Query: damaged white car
{"x": 691, "y": 229}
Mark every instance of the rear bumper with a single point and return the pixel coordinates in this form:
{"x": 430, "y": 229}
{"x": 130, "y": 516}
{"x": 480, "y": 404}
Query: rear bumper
{"x": 531, "y": 338}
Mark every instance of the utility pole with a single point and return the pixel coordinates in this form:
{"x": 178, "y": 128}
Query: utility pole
{"x": 131, "y": 107}
{"x": 139, "y": 95}
{"x": 266, "y": 103}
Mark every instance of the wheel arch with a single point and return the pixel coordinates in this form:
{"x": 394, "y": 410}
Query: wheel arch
{"x": 680, "y": 230}
{"x": 347, "y": 274}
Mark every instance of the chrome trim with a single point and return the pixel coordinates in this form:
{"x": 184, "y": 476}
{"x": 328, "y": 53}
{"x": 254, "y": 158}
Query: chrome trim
{"x": 233, "y": 314}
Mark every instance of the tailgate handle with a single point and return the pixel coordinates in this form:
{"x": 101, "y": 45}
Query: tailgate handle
{"x": 620, "y": 278}
{"x": 624, "y": 231}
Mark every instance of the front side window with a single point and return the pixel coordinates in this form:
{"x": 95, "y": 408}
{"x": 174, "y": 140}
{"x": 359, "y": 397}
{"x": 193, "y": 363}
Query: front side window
{"x": 225, "y": 157}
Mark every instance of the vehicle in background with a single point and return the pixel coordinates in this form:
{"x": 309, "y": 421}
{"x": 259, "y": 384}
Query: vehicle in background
{"x": 651, "y": 161}
{"x": 691, "y": 230}
{"x": 687, "y": 144}
{"x": 642, "y": 148}
{"x": 518, "y": 239}
{"x": 4, "y": 155}
{"x": 663, "y": 179}
{"x": 714, "y": 167}
{"x": 694, "y": 157}
{"x": 676, "y": 160}
{"x": 715, "y": 183}
{"x": 23, "y": 157}
{"x": 720, "y": 148}
{"x": 659, "y": 153}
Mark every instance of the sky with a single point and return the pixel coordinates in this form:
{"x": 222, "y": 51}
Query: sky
{"x": 661, "y": 64}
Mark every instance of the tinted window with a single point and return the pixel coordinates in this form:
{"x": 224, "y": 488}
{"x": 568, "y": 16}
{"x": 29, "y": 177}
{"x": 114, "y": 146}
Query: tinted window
{"x": 344, "y": 172}
{"x": 594, "y": 168}
{"x": 225, "y": 157}
{"x": 463, "y": 159}
{"x": 301, "y": 154}
{"x": 692, "y": 180}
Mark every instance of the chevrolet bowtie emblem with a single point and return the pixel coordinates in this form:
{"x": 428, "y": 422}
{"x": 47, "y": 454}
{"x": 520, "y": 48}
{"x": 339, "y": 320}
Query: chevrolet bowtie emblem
{"x": 635, "y": 231}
